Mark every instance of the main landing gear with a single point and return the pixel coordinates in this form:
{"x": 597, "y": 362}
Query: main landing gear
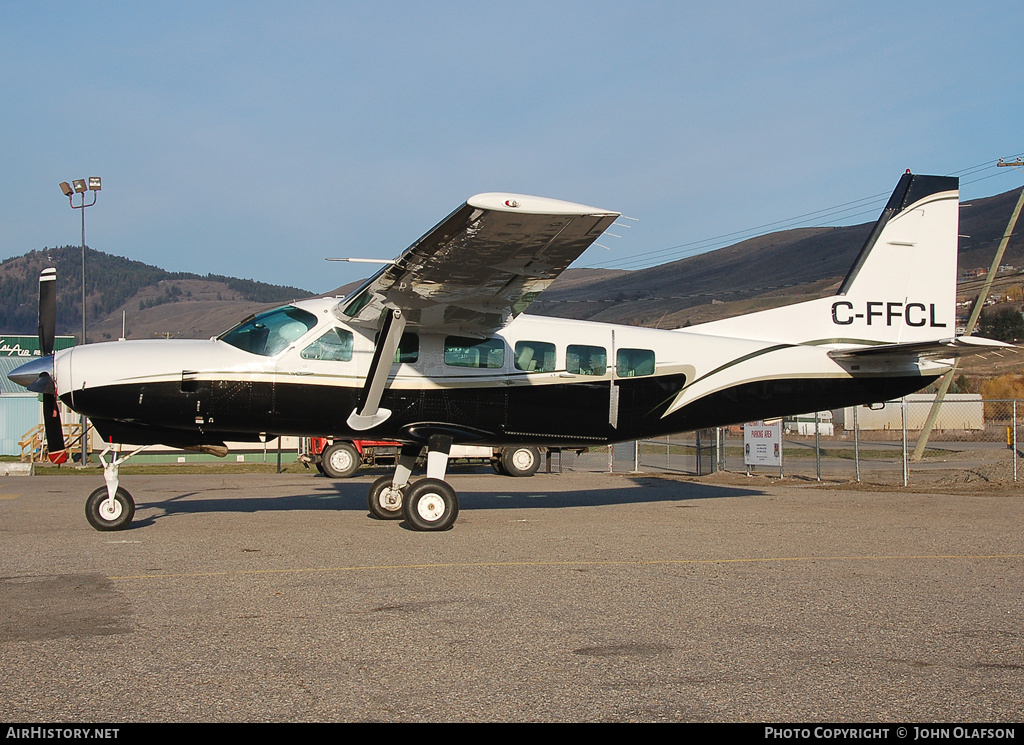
{"x": 111, "y": 507}
{"x": 428, "y": 504}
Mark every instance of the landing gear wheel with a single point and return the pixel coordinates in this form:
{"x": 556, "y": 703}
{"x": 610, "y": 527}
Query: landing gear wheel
{"x": 103, "y": 515}
{"x": 340, "y": 460}
{"x": 384, "y": 501}
{"x": 520, "y": 461}
{"x": 430, "y": 504}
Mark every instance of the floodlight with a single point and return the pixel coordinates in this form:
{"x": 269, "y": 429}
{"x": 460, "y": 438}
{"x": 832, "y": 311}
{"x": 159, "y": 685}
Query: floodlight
{"x": 79, "y": 184}
{"x": 94, "y": 183}
{"x": 66, "y": 188}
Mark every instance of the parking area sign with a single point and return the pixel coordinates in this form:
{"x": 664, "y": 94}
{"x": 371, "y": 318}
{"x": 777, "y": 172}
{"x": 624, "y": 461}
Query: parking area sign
{"x": 762, "y": 443}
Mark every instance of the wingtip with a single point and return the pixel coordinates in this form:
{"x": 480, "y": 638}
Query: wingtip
{"x": 524, "y": 203}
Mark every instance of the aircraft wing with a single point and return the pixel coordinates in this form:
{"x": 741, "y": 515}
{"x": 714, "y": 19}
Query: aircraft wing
{"x": 481, "y": 265}
{"x": 959, "y": 346}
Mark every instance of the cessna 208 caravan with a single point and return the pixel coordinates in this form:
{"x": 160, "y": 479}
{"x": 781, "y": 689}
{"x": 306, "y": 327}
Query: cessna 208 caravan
{"x": 435, "y": 349}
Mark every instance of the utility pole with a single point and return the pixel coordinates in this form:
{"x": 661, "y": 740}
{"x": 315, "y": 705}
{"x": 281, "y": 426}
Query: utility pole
{"x": 933, "y": 413}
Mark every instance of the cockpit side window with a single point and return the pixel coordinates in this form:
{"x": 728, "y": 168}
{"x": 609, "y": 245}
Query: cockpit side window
{"x": 335, "y": 345}
{"x": 270, "y": 333}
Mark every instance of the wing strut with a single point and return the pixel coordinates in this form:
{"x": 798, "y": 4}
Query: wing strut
{"x": 368, "y": 413}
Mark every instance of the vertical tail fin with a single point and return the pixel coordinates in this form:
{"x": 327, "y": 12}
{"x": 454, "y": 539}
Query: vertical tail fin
{"x": 902, "y": 286}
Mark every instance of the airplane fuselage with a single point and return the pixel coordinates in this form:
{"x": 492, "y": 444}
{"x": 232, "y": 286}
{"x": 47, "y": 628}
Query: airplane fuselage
{"x": 538, "y": 380}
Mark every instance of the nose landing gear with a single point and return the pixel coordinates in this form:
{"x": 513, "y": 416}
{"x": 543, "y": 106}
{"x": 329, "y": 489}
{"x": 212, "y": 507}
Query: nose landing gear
{"x": 111, "y": 507}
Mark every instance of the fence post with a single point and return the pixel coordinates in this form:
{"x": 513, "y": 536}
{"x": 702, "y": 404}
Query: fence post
{"x": 782, "y": 452}
{"x": 856, "y": 443}
{"x": 817, "y": 445}
{"x": 903, "y": 416}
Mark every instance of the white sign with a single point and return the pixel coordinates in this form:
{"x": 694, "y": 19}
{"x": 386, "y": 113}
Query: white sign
{"x": 762, "y": 443}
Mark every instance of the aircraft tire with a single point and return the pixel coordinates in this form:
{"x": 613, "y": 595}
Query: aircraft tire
{"x": 117, "y": 518}
{"x": 520, "y": 461}
{"x": 340, "y": 460}
{"x": 430, "y": 505}
{"x": 382, "y": 502}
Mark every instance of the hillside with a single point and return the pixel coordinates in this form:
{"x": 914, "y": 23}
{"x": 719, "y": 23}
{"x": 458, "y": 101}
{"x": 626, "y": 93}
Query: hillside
{"x": 154, "y": 301}
{"x": 769, "y": 270}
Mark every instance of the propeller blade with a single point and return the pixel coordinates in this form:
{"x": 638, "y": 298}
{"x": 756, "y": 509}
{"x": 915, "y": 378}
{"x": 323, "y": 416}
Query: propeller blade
{"x": 54, "y": 429}
{"x": 47, "y": 331}
{"x": 47, "y": 310}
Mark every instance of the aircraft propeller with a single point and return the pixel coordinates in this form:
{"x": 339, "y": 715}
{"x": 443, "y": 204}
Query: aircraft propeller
{"x": 44, "y": 383}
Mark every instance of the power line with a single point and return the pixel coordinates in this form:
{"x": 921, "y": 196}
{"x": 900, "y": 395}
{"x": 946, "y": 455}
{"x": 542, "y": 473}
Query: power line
{"x": 825, "y": 217}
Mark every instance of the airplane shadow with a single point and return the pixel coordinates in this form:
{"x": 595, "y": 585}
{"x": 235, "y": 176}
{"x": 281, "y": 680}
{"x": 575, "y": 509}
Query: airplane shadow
{"x": 331, "y": 495}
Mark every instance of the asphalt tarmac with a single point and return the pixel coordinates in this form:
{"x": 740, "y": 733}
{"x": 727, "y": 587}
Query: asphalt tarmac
{"x": 568, "y": 597}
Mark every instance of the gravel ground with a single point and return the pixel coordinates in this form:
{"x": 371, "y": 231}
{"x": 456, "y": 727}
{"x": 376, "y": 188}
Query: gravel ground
{"x": 567, "y": 597}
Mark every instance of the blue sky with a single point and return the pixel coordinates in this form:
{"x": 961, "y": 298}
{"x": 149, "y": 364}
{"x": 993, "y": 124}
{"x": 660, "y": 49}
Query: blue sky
{"x": 255, "y": 139}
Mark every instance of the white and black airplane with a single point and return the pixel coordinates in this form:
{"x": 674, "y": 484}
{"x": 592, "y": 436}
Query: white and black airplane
{"x": 435, "y": 349}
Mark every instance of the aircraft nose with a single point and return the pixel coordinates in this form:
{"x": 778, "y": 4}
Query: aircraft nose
{"x": 36, "y": 375}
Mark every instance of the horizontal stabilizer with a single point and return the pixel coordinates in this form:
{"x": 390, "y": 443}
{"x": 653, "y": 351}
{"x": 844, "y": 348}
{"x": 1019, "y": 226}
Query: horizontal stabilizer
{"x": 959, "y": 346}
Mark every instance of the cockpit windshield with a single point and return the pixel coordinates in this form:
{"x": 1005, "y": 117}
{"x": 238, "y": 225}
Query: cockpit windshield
{"x": 270, "y": 332}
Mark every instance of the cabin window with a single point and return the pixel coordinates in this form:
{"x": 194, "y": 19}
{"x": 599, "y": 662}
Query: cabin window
{"x": 461, "y": 351}
{"x": 270, "y": 332}
{"x": 535, "y": 356}
{"x": 581, "y": 359}
{"x": 408, "y": 348}
{"x": 632, "y": 363}
{"x": 333, "y": 346}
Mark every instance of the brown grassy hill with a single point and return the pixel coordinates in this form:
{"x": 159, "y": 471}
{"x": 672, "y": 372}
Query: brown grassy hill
{"x": 769, "y": 270}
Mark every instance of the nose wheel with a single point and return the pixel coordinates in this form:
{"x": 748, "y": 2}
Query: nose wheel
{"x": 111, "y": 507}
{"x": 105, "y": 514}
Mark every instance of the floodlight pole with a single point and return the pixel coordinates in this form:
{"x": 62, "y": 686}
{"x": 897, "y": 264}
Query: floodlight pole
{"x": 80, "y": 187}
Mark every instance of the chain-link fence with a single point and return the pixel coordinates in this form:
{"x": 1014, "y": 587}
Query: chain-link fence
{"x": 968, "y": 439}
